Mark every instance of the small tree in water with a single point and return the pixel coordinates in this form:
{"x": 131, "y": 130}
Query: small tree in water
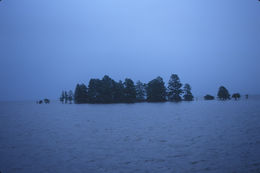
{"x": 66, "y": 97}
{"x": 223, "y": 93}
{"x": 187, "y": 93}
{"x": 174, "y": 88}
{"x": 209, "y": 97}
{"x": 236, "y": 96}
{"x": 62, "y": 97}
{"x": 46, "y": 101}
{"x": 70, "y": 96}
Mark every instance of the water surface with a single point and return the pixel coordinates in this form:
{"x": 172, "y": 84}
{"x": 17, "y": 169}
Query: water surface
{"x": 199, "y": 136}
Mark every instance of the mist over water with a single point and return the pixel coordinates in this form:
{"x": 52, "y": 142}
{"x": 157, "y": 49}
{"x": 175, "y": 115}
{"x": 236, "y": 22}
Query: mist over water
{"x": 49, "y": 46}
{"x": 180, "y": 51}
{"x": 199, "y": 136}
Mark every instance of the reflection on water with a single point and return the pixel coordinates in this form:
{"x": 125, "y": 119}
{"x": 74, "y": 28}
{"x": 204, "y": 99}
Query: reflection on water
{"x": 200, "y": 136}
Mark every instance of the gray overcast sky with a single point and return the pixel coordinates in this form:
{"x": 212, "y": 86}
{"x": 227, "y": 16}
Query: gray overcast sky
{"x": 50, "y": 45}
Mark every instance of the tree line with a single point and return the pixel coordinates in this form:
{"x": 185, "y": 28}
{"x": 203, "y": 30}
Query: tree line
{"x": 66, "y": 97}
{"x": 107, "y": 90}
{"x": 223, "y": 94}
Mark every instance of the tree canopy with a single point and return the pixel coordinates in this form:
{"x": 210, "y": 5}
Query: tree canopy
{"x": 129, "y": 91}
{"x": 156, "y": 91}
{"x": 174, "y": 88}
{"x": 209, "y": 97}
{"x": 187, "y": 93}
{"x": 223, "y": 93}
{"x": 107, "y": 90}
{"x": 140, "y": 91}
{"x": 81, "y": 94}
{"x": 236, "y": 96}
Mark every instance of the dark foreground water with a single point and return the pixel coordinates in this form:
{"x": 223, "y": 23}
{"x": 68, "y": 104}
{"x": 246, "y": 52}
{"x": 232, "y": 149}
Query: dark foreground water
{"x": 200, "y": 136}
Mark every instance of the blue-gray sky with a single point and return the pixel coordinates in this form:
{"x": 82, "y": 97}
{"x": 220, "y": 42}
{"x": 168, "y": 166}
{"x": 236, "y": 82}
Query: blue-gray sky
{"x": 47, "y": 46}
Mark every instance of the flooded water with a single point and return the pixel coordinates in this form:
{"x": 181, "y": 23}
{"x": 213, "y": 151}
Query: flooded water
{"x": 199, "y": 136}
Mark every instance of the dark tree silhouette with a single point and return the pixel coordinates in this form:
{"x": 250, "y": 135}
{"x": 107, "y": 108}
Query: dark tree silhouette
{"x": 223, "y": 93}
{"x": 106, "y": 91}
{"x": 209, "y": 97}
{"x": 62, "y": 97}
{"x": 187, "y": 93}
{"x": 140, "y": 91}
{"x": 174, "y": 88}
{"x": 129, "y": 91}
{"x": 118, "y": 92}
{"x": 77, "y": 94}
{"x": 46, "y": 101}
{"x": 95, "y": 91}
{"x": 236, "y": 96}
{"x": 70, "y": 96}
{"x": 80, "y": 94}
{"x": 156, "y": 91}
{"x": 66, "y": 97}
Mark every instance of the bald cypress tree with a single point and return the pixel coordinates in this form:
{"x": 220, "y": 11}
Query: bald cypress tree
{"x": 187, "y": 93}
{"x": 140, "y": 91}
{"x": 129, "y": 91}
{"x": 70, "y": 96}
{"x": 77, "y": 94}
{"x": 156, "y": 91}
{"x": 95, "y": 91}
{"x": 118, "y": 92}
{"x": 107, "y": 94}
{"x": 62, "y": 97}
{"x": 174, "y": 88}
{"x": 209, "y": 97}
{"x": 223, "y": 93}
{"x": 236, "y": 96}
{"x": 66, "y": 96}
{"x": 80, "y": 94}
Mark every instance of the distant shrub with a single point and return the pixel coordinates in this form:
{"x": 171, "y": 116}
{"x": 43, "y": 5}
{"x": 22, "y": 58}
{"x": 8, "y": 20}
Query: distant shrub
{"x": 46, "y": 101}
{"x": 223, "y": 93}
{"x": 236, "y": 96}
{"x": 209, "y": 97}
{"x": 187, "y": 93}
